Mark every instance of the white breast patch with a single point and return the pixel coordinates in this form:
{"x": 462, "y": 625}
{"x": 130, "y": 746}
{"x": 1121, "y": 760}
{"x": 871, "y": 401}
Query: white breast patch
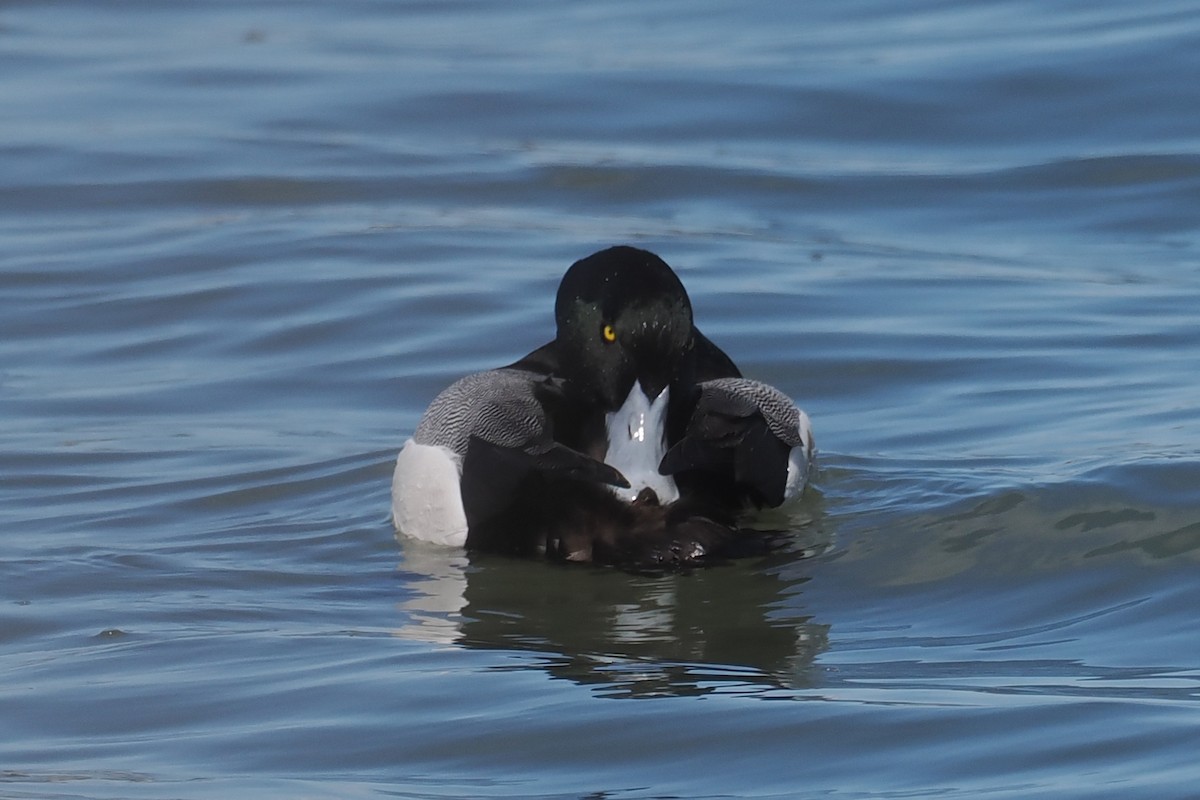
{"x": 637, "y": 443}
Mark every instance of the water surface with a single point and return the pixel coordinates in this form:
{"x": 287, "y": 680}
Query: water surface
{"x": 243, "y": 244}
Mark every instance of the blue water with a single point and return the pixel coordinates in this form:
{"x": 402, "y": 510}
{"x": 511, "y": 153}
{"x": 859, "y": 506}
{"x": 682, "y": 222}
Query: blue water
{"x": 242, "y": 245}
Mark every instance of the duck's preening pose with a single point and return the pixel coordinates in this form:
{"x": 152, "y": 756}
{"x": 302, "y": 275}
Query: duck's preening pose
{"x": 629, "y": 439}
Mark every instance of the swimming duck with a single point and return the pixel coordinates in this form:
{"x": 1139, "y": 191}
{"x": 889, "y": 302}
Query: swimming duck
{"x": 630, "y": 438}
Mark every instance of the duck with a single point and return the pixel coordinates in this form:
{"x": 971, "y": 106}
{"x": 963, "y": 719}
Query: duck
{"x": 629, "y": 439}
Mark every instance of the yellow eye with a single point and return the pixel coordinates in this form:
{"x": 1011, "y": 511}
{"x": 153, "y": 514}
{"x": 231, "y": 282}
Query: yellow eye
{"x": 610, "y": 333}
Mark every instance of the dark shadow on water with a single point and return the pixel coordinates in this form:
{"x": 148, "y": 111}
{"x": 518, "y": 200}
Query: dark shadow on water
{"x": 634, "y": 636}
{"x": 736, "y": 627}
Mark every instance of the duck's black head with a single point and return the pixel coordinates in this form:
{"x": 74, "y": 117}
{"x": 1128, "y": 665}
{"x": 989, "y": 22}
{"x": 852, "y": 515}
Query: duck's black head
{"x": 623, "y": 317}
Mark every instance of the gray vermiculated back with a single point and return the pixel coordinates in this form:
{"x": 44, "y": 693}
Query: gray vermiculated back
{"x": 498, "y": 406}
{"x": 782, "y": 416}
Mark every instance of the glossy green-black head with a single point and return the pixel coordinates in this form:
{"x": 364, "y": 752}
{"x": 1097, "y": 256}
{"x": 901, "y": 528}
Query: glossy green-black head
{"x": 623, "y": 318}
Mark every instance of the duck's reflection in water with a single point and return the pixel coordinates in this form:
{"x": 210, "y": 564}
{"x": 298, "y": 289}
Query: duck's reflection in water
{"x": 736, "y": 627}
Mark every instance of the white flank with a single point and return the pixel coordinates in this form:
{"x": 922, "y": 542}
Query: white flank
{"x": 637, "y": 444}
{"x": 800, "y": 461}
{"x": 426, "y": 498}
